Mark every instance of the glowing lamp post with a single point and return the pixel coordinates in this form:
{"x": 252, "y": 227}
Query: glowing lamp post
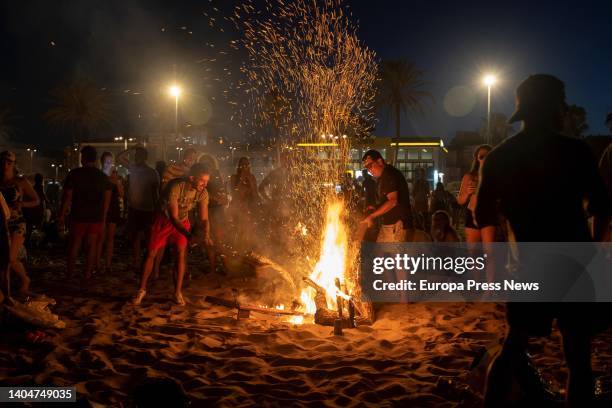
{"x": 121, "y": 138}
{"x": 56, "y": 167}
{"x": 489, "y": 80}
{"x": 174, "y": 91}
{"x": 32, "y": 151}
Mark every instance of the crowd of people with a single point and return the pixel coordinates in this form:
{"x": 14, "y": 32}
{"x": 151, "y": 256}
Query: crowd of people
{"x": 506, "y": 201}
{"x": 189, "y": 202}
{"x": 179, "y": 206}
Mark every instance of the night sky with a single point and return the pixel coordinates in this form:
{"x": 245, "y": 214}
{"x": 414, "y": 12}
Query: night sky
{"x": 121, "y": 46}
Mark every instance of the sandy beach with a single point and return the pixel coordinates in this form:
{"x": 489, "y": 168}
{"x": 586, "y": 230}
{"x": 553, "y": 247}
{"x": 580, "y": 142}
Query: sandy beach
{"x": 422, "y": 355}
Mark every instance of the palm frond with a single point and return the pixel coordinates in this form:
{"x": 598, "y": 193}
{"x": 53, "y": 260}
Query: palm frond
{"x": 401, "y": 86}
{"x": 609, "y": 121}
{"x": 7, "y": 130}
{"x": 79, "y": 108}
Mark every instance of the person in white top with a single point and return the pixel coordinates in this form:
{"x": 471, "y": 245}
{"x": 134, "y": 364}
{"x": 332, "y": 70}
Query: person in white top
{"x": 142, "y": 197}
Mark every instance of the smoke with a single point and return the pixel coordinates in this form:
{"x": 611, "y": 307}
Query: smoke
{"x": 307, "y": 77}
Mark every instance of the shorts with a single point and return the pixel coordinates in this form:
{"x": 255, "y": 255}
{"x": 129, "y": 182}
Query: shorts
{"x": 163, "y": 232}
{"x": 392, "y": 233}
{"x": 86, "y": 228}
{"x": 469, "y": 221}
{"x": 139, "y": 220}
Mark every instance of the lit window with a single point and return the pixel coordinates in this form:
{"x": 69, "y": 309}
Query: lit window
{"x": 427, "y": 154}
{"x": 413, "y": 154}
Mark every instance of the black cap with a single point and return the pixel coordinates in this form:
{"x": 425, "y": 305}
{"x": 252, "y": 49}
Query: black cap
{"x": 538, "y": 95}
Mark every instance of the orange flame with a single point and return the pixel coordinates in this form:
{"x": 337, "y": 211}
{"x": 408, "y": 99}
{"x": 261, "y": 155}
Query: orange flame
{"x": 332, "y": 260}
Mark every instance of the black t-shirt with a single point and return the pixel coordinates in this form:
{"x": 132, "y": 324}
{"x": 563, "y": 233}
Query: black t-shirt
{"x": 369, "y": 191}
{"x": 393, "y": 180}
{"x": 539, "y": 181}
{"x": 88, "y": 185}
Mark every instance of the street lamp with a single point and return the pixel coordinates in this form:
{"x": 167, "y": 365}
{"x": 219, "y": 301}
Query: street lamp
{"x": 489, "y": 80}
{"x": 57, "y": 167}
{"x": 32, "y": 151}
{"x": 125, "y": 141}
{"x": 173, "y": 90}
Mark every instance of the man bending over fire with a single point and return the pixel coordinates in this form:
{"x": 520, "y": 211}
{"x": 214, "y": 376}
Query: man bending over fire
{"x": 171, "y": 225}
{"x": 394, "y": 210}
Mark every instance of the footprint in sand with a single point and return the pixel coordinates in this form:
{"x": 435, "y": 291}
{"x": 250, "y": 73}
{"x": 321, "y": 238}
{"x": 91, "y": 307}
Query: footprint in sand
{"x": 386, "y": 344}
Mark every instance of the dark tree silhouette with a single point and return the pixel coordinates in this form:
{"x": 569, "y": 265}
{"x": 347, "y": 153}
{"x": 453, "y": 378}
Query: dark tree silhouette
{"x": 400, "y": 90}
{"x": 609, "y": 121}
{"x": 79, "y": 109}
{"x": 7, "y": 129}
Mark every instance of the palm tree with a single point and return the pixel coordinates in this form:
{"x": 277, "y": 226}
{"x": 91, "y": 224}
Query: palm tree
{"x": 400, "y": 90}
{"x": 79, "y": 109}
{"x": 609, "y": 121}
{"x": 6, "y": 128}
{"x": 575, "y": 121}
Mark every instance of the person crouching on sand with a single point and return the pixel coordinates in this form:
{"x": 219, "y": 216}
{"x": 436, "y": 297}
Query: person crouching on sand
{"x": 171, "y": 225}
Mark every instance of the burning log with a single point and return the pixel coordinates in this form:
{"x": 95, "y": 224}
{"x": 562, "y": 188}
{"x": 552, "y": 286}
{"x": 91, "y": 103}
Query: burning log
{"x": 326, "y": 317}
{"x": 235, "y": 305}
{"x": 321, "y": 289}
{"x": 314, "y": 285}
{"x": 357, "y": 312}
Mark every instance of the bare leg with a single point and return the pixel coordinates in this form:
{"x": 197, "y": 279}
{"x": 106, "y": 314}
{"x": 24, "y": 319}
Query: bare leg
{"x": 181, "y": 254}
{"x": 147, "y": 268}
{"x": 73, "y": 252}
{"x": 158, "y": 260}
{"x": 15, "y": 264}
{"x": 92, "y": 252}
{"x": 487, "y": 234}
{"x": 110, "y": 244}
{"x": 472, "y": 235}
{"x": 100, "y": 246}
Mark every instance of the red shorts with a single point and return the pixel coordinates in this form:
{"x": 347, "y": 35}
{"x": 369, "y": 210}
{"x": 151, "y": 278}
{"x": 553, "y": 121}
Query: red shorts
{"x": 86, "y": 228}
{"x": 163, "y": 232}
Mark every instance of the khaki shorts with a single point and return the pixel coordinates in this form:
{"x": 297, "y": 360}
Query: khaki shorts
{"x": 392, "y": 233}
